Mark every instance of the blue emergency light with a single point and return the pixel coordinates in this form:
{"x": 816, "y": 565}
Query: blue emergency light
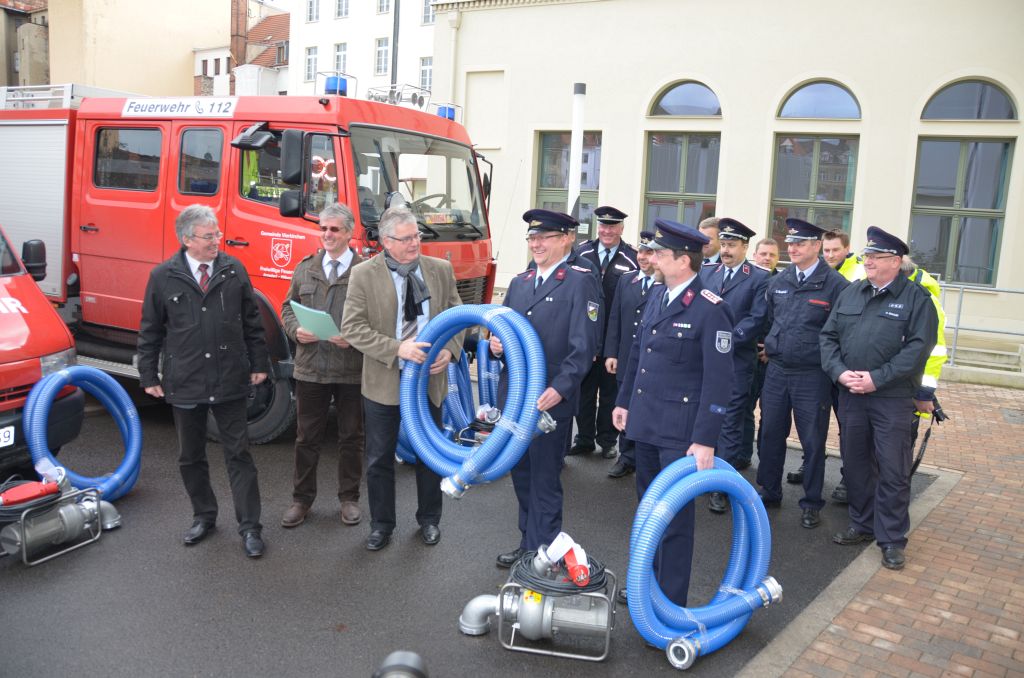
{"x": 336, "y": 85}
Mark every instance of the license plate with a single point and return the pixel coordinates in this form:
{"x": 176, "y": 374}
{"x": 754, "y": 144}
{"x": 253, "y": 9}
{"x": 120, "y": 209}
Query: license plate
{"x": 6, "y": 436}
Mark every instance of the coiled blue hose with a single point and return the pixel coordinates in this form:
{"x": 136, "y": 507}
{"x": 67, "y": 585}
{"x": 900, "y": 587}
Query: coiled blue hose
{"x": 114, "y": 398}
{"x": 527, "y": 378}
{"x": 488, "y": 373}
{"x": 456, "y": 412}
{"x": 686, "y": 633}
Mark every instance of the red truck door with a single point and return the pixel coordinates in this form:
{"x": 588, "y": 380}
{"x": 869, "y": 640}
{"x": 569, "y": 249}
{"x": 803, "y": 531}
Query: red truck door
{"x": 120, "y": 216}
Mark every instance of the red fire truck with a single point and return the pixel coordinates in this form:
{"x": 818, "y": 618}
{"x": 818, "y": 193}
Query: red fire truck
{"x": 101, "y": 180}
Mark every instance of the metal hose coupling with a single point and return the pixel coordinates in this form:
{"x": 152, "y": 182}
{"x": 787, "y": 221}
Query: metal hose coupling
{"x": 682, "y": 652}
{"x": 453, "y": 486}
{"x": 770, "y": 591}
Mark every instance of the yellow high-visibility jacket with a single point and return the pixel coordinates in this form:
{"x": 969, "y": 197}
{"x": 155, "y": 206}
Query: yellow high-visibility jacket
{"x": 933, "y": 369}
{"x": 852, "y": 268}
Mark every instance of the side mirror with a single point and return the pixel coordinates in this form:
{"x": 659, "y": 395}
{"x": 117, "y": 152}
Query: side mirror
{"x": 33, "y": 255}
{"x": 291, "y": 156}
{"x": 290, "y": 204}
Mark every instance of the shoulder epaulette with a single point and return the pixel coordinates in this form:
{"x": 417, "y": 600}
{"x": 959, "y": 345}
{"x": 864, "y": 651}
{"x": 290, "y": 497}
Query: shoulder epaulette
{"x": 528, "y": 273}
{"x": 579, "y": 268}
{"x": 710, "y": 296}
{"x": 308, "y": 256}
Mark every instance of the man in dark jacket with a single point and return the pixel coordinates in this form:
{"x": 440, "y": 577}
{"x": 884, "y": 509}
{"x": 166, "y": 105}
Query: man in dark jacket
{"x": 875, "y": 346}
{"x": 200, "y": 314}
{"x": 325, "y": 368}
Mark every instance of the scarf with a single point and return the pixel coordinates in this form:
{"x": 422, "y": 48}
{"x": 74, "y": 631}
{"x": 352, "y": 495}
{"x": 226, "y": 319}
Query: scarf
{"x": 416, "y": 291}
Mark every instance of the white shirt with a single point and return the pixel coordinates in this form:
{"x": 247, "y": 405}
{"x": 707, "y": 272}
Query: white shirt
{"x": 547, "y": 271}
{"x": 807, "y": 271}
{"x": 194, "y": 264}
{"x": 674, "y": 293}
{"x": 345, "y": 260}
{"x": 610, "y": 250}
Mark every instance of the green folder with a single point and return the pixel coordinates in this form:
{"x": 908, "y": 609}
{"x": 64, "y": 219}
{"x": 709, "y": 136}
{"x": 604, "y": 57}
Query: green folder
{"x": 319, "y": 323}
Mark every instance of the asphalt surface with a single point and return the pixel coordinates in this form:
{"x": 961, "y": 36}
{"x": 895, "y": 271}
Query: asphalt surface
{"x": 139, "y": 603}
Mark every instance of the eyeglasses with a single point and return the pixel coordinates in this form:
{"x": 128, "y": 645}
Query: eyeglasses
{"x": 877, "y": 256}
{"x": 332, "y": 229}
{"x": 407, "y": 240}
{"x": 542, "y": 238}
{"x": 209, "y": 237}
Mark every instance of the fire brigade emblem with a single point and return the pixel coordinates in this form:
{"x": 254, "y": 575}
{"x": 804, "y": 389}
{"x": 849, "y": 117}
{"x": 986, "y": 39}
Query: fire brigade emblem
{"x": 281, "y": 252}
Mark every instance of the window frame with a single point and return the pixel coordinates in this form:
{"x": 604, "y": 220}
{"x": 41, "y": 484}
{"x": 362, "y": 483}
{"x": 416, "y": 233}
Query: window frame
{"x": 181, "y": 159}
{"x": 312, "y": 11}
{"x": 382, "y": 45}
{"x": 819, "y": 81}
{"x": 680, "y": 83}
{"x": 956, "y": 212}
{"x": 544, "y": 194}
{"x": 96, "y": 158}
{"x": 341, "y": 9}
{"x": 341, "y": 49}
{"x": 429, "y": 15}
{"x": 428, "y": 69}
{"x": 680, "y": 197}
{"x": 383, "y": 6}
{"x": 309, "y": 67}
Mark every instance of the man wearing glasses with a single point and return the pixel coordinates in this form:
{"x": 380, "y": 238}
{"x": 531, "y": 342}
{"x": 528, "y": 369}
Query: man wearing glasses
{"x": 391, "y": 297}
{"x": 201, "y": 316}
{"x": 875, "y": 346}
{"x": 325, "y": 369}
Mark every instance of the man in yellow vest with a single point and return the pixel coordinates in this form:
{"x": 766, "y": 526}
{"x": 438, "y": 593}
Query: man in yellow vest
{"x": 835, "y": 247}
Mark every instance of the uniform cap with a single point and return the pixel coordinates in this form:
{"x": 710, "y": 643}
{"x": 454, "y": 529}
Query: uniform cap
{"x": 539, "y": 220}
{"x": 880, "y": 241}
{"x": 732, "y": 229}
{"x": 607, "y": 214}
{"x": 798, "y": 230}
{"x": 645, "y": 240}
{"x": 671, "y": 235}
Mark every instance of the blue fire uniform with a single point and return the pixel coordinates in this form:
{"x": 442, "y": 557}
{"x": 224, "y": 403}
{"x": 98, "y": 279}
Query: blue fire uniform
{"x": 676, "y": 388}
{"x": 565, "y": 310}
{"x": 795, "y": 384}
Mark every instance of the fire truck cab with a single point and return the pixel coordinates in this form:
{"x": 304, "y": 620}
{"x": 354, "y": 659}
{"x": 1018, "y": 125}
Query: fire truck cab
{"x": 102, "y": 179}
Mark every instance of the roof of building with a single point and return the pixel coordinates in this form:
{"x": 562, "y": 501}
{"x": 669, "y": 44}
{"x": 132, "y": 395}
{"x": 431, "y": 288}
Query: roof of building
{"x": 270, "y": 32}
{"x": 23, "y": 5}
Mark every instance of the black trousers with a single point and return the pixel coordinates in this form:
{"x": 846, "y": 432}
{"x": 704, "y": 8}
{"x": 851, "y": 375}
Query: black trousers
{"x": 313, "y": 402}
{"x": 877, "y": 456}
{"x": 627, "y": 448}
{"x": 730, "y": 440}
{"x": 597, "y": 400}
{"x": 381, "y": 424}
{"x": 195, "y": 471}
{"x": 756, "y": 385}
{"x": 538, "y": 485}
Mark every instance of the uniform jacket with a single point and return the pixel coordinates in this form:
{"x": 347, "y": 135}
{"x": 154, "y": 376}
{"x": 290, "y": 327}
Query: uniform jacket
{"x": 745, "y": 296}
{"x": 321, "y": 362}
{"x": 680, "y": 375}
{"x": 621, "y": 264}
{"x": 889, "y": 335}
{"x": 798, "y": 313}
{"x": 933, "y": 370}
{"x": 625, "y": 315}
{"x": 566, "y": 313}
{"x": 369, "y": 319}
{"x": 210, "y": 342}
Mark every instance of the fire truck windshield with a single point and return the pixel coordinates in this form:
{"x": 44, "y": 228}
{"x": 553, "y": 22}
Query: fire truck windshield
{"x": 436, "y": 178}
{"x": 8, "y": 264}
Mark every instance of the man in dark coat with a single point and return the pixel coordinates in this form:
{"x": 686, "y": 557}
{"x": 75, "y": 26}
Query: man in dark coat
{"x": 200, "y": 314}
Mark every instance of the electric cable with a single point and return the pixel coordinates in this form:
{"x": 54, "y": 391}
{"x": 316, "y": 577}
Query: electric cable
{"x": 522, "y": 573}
{"x": 12, "y": 513}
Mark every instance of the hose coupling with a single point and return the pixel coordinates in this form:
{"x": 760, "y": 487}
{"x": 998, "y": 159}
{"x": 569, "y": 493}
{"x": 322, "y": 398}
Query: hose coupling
{"x": 453, "y": 486}
{"x": 770, "y": 590}
{"x": 682, "y": 652}
{"x": 545, "y": 424}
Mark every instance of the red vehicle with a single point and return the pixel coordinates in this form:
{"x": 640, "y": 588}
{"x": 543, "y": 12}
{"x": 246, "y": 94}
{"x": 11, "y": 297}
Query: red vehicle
{"x": 102, "y": 179}
{"x": 34, "y": 342}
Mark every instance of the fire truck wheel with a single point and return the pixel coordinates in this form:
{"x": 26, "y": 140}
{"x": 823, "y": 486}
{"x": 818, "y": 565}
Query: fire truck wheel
{"x": 271, "y": 410}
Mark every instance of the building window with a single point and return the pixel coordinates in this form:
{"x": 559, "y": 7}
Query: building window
{"x": 310, "y": 73}
{"x": 216, "y": 66}
{"x": 814, "y": 180}
{"x": 821, "y": 100}
{"x": 312, "y": 10}
{"x": 970, "y": 100}
{"x": 682, "y": 177}
{"x": 380, "y": 63}
{"x": 959, "y": 207}
{"x": 341, "y": 57}
{"x": 687, "y": 99}
{"x": 383, "y": 6}
{"x": 282, "y": 53}
{"x": 428, "y": 12}
{"x": 340, "y": 9}
{"x": 553, "y": 173}
{"x": 206, "y": 67}
{"x": 426, "y": 72}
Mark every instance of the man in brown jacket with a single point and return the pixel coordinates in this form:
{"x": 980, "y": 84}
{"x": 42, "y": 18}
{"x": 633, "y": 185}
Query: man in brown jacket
{"x": 325, "y": 369}
{"x": 390, "y": 300}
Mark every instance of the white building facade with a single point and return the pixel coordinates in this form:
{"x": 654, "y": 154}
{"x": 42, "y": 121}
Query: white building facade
{"x": 903, "y": 115}
{"x": 356, "y": 37}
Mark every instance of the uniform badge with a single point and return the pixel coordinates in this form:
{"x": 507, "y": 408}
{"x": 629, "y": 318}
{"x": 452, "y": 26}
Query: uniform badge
{"x": 687, "y": 297}
{"x": 746, "y": 269}
{"x": 712, "y": 297}
{"x": 560, "y": 275}
{"x": 723, "y": 341}
{"x": 592, "y": 310}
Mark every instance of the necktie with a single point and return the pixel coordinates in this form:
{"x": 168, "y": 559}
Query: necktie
{"x": 646, "y": 286}
{"x": 204, "y": 276}
{"x": 800, "y": 278}
{"x": 540, "y": 281}
{"x": 409, "y": 327}
{"x": 664, "y": 304}
{"x": 333, "y": 276}
{"x": 728, "y": 277}
{"x": 604, "y": 260}
{"x": 874, "y": 291}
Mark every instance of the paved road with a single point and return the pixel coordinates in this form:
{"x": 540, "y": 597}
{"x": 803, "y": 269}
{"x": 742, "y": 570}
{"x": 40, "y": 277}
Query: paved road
{"x": 138, "y": 603}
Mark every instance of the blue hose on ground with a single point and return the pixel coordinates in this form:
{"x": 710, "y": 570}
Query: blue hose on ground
{"x": 527, "y": 378}
{"x": 488, "y": 373}
{"x": 114, "y": 398}
{"x": 686, "y": 633}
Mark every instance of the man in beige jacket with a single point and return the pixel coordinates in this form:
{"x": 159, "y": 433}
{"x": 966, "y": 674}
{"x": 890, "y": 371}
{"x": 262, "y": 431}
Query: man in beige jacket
{"x": 390, "y": 299}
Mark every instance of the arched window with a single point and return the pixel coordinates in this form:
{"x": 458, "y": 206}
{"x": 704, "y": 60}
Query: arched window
{"x": 970, "y": 100}
{"x": 821, "y": 99}
{"x": 687, "y": 99}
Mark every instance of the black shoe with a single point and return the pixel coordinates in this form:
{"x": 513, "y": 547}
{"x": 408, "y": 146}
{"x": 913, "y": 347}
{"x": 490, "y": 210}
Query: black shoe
{"x": 507, "y": 560}
{"x": 810, "y": 518}
{"x": 621, "y": 596}
{"x": 253, "y": 543}
{"x": 580, "y": 449}
{"x": 839, "y": 494}
{"x": 431, "y": 534}
{"x": 851, "y": 536}
{"x": 620, "y": 469}
{"x": 198, "y": 532}
{"x": 770, "y": 503}
{"x": 892, "y": 557}
{"x": 796, "y": 477}
{"x": 610, "y": 452}
{"x": 378, "y": 539}
{"x": 717, "y": 502}
{"x": 740, "y": 464}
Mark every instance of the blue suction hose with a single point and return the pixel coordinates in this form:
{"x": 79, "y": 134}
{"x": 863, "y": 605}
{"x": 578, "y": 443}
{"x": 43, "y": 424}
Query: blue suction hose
{"x": 114, "y": 398}
{"x": 527, "y": 378}
{"x": 686, "y": 633}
